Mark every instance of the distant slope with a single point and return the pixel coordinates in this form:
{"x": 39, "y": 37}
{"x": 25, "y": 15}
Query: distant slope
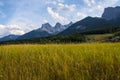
{"x": 74, "y": 38}
{"x": 86, "y": 24}
{"x": 34, "y": 34}
{"x": 9, "y": 37}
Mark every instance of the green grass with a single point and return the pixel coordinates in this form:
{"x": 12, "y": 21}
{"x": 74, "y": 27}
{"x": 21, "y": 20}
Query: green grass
{"x": 96, "y": 61}
{"x": 99, "y": 37}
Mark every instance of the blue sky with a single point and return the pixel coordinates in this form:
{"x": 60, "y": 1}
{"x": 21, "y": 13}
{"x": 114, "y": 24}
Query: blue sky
{"x": 21, "y": 16}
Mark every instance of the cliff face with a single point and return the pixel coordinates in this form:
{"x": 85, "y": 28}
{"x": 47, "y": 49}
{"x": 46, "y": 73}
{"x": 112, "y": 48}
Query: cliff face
{"x": 111, "y": 13}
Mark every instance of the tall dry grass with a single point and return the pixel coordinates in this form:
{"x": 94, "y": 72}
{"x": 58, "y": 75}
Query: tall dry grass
{"x": 96, "y": 61}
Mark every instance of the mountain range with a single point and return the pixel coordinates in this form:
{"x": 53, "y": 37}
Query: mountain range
{"x": 110, "y": 18}
{"x": 45, "y": 31}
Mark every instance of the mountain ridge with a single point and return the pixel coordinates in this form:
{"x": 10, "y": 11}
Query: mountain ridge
{"x": 45, "y": 31}
{"x": 91, "y": 23}
{"x": 9, "y": 37}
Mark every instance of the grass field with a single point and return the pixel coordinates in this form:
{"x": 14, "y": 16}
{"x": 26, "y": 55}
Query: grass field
{"x": 96, "y": 61}
{"x": 99, "y": 37}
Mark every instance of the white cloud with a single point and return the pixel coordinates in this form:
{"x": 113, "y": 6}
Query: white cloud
{"x": 10, "y": 29}
{"x": 103, "y": 3}
{"x": 59, "y": 10}
{"x": 66, "y": 7}
{"x": 96, "y": 7}
{"x": 60, "y": 0}
{"x": 57, "y": 16}
{"x": 89, "y": 2}
{"x": 82, "y": 15}
{"x": 15, "y": 29}
{"x": 45, "y": 21}
{"x": 17, "y": 32}
{"x": 51, "y": 2}
{"x": 54, "y": 2}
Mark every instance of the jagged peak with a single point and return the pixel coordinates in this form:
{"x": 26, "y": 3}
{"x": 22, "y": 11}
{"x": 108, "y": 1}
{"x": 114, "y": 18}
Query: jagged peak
{"x": 46, "y": 25}
{"x": 58, "y": 24}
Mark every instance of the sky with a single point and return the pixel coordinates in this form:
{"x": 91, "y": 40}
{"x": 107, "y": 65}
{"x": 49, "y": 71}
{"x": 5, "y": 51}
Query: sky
{"x": 21, "y": 16}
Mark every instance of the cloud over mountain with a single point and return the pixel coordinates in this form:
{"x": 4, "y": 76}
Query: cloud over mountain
{"x": 57, "y": 16}
{"x": 10, "y": 29}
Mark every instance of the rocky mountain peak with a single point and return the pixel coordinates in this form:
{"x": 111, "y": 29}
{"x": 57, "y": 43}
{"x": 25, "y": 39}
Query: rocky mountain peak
{"x": 46, "y": 25}
{"x": 58, "y": 25}
{"x": 111, "y": 13}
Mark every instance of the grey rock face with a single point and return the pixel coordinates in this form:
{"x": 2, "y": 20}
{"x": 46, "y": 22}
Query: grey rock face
{"x": 47, "y": 27}
{"x": 111, "y": 13}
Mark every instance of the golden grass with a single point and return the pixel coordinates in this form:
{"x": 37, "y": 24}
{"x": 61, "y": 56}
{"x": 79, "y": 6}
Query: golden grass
{"x": 96, "y": 61}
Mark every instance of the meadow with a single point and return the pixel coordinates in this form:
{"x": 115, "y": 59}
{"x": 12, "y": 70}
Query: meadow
{"x": 86, "y": 61}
